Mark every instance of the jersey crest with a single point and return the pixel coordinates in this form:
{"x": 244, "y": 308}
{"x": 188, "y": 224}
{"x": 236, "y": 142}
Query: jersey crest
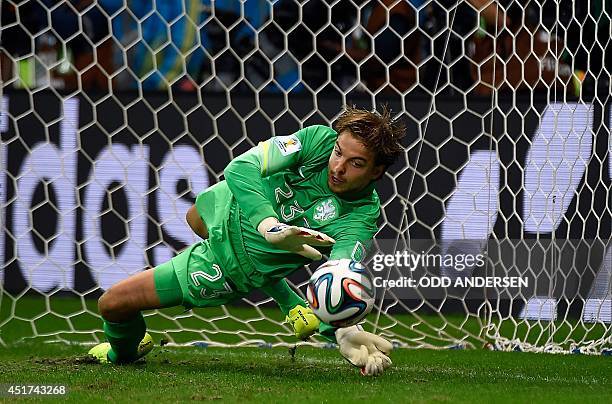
{"x": 325, "y": 211}
{"x": 288, "y": 144}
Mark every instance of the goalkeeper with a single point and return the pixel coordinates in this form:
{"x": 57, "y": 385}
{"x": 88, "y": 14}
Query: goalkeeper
{"x": 282, "y": 204}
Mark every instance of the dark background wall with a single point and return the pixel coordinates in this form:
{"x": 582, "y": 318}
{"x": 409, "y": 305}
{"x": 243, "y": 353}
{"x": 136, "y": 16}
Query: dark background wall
{"x": 98, "y": 186}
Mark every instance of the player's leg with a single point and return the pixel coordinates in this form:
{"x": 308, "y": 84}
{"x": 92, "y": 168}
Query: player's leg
{"x": 194, "y": 220}
{"x": 128, "y": 297}
{"x": 121, "y": 306}
{"x": 141, "y": 291}
{"x": 296, "y": 310}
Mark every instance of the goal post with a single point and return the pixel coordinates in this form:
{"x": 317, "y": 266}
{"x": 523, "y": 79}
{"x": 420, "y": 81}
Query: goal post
{"x": 495, "y": 224}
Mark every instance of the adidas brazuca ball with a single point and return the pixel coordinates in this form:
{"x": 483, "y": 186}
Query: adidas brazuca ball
{"x": 340, "y": 292}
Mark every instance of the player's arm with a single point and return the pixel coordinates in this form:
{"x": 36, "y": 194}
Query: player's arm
{"x": 354, "y": 234}
{"x": 296, "y": 310}
{"x": 367, "y": 351}
{"x": 244, "y": 173}
{"x": 362, "y": 349}
{"x": 353, "y": 241}
{"x": 244, "y": 176}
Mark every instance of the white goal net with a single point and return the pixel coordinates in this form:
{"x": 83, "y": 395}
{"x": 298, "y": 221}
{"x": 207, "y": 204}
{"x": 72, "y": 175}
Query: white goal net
{"x": 496, "y": 223}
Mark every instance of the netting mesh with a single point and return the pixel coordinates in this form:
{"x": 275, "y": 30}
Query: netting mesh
{"x": 115, "y": 114}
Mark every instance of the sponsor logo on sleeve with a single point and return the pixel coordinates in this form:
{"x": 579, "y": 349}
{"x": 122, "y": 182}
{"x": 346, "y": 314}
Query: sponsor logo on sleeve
{"x": 288, "y": 144}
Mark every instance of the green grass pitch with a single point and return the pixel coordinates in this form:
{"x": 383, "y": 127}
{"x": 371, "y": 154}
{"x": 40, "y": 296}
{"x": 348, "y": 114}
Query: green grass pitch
{"x": 176, "y": 374}
{"x": 312, "y": 375}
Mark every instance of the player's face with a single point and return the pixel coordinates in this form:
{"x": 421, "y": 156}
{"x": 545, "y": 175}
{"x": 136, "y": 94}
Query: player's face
{"x": 351, "y": 166}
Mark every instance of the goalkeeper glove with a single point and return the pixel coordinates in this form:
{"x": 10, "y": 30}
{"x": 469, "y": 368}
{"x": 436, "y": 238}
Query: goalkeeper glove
{"x": 365, "y": 350}
{"x": 293, "y": 238}
{"x": 303, "y": 321}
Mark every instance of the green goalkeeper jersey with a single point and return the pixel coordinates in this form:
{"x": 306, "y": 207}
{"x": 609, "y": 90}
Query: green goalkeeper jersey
{"x": 286, "y": 177}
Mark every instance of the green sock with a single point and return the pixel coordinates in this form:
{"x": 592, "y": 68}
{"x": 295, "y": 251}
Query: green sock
{"x": 124, "y": 338}
{"x": 291, "y": 300}
{"x": 284, "y": 296}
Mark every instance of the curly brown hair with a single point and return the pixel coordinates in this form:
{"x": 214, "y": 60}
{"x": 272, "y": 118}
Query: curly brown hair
{"x": 378, "y": 132}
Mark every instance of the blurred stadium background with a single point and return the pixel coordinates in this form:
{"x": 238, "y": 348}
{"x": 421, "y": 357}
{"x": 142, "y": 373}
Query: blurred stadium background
{"x": 115, "y": 114}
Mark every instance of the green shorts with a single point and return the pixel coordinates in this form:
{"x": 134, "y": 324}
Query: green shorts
{"x": 208, "y": 273}
{"x": 193, "y": 278}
